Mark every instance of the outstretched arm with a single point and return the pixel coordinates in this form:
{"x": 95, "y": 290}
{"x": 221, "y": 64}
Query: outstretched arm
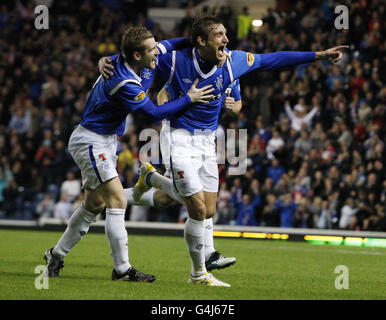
{"x": 244, "y": 62}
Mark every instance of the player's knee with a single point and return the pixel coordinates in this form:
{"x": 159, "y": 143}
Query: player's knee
{"x": 209, "y": 214}
{"x": 94, "y": 207}
{"x": 197, "y": 211}
{"x": 116, "y": 201}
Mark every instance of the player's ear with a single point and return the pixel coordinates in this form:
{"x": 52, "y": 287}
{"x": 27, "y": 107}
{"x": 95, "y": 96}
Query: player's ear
{"x": 137, "y": 56}
{"x": 201, "y": 41}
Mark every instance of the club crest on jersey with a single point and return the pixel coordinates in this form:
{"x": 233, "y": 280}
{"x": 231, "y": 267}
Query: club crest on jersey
{"x": 250, "y": 59}
{"x": 219, "y": 82}
{"x": 140, "y": 96}
{"x": 146, "y": 74}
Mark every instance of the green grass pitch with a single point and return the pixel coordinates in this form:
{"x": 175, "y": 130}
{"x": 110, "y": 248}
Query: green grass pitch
{"x": 265, "y": 270}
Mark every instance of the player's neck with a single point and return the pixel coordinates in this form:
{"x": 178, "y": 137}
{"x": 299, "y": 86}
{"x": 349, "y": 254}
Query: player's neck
{"x": 205, "y": 63}
{"x": 135, "y": 67}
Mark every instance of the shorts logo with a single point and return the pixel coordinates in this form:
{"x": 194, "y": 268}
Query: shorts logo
{"x": 105, "y": 162}
{"x": 250, "y": 59}
{"x": 181, "y": 174}
{"x": 140, "y": 96}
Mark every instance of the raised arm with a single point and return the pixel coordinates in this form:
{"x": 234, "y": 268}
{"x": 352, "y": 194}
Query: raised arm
{"x": 105, "y": 66}
{"x": 169, "y": 45}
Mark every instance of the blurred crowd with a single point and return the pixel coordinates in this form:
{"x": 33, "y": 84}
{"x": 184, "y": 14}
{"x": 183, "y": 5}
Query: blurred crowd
{"x": 316, "y": 136}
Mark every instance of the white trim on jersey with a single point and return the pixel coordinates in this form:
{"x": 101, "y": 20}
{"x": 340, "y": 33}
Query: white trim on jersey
{"x": 197, "y": 66}
{"x": 161, "y": 48}
{"x": 230, "y": 68}
{"x": 133, "y": 72}
{"x": 96, "y": 81}
{"x": 173, "y": 67}
{"x": 119, "y": 85}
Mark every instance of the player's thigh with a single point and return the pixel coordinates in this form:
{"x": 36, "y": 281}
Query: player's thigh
{"x": 185, "y": 163}
{"x": 112, "y": 193}
{"x": 208, "y": 174}
{"x": 210, "y": 203}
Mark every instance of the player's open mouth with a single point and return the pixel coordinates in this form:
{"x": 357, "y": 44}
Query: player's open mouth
{"x": 221, "y": 51}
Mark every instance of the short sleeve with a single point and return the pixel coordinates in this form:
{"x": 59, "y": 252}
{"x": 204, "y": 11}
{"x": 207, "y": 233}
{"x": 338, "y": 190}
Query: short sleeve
{"x": 132, "y": 96}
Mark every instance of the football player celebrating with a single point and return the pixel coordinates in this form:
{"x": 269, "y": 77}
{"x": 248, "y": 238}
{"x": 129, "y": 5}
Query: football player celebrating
{"x": 93, "y": 145}
{"x": 192, "y": 132}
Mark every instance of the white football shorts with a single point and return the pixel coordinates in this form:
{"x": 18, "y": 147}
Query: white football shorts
{"x": 190, "y": 159}
{"x": 95, "y": 155}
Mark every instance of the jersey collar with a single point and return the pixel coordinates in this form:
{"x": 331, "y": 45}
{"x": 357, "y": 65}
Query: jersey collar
{"x": 132, "y": 71}
{"x": 197, "y": 66}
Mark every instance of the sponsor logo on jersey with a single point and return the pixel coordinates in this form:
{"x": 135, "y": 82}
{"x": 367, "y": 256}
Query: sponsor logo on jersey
{"x": 250, "y": 59}
{"x": 216, "y": 97}
{"x": 140, "y": 96}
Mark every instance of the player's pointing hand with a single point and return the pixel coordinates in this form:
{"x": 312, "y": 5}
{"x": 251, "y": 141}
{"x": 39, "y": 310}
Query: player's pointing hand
{"x": 332, "y": 54}
{"x": 200, "y": 94}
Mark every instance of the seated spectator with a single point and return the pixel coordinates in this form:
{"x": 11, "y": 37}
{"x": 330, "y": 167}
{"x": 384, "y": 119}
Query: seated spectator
{"x": 275, "y": 144}
{"x": 347, "y": 214}
{"x": 303, "y": 143}
{"x": 71, "y": 187}
{"x": 284, "y": 185}
{"x": 45, "y": 208}
{"x": 270, "y": 214}
{"x": 377, "y": 221}
{"x": 224, "y": 210}
{"x": 63, "y": 208}
{"x": 324, "y": 220}
{"x": 303, "y": 217}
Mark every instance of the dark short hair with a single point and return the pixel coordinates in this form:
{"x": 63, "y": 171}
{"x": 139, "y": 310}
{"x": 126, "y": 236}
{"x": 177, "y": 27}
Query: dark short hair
{"x": 132, "y": 40}
{"x": 201, "y": 27}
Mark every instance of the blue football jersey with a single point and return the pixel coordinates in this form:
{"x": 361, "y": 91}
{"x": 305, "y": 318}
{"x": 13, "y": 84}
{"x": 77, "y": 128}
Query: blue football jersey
{"x": 181, "y": 68}
{"x": 110, "y": 100}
